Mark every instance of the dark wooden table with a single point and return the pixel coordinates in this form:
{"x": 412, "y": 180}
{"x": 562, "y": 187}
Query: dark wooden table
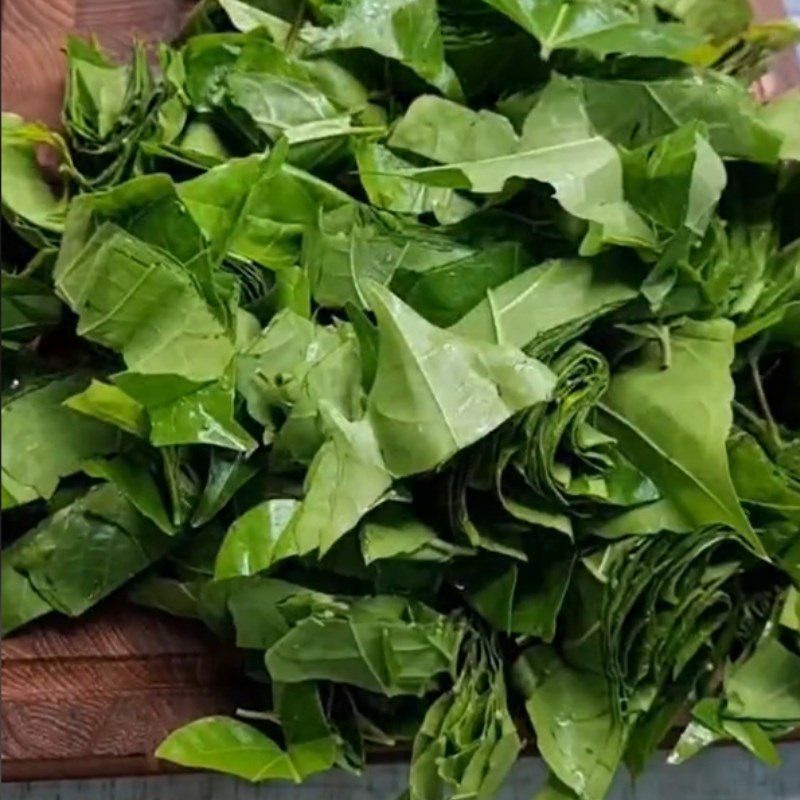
{"x": 33, "y": 34}
{"x": 94, "y": 697}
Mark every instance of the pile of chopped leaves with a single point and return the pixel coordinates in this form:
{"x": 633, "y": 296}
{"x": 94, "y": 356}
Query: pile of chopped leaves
{"x": 443, "y": 357}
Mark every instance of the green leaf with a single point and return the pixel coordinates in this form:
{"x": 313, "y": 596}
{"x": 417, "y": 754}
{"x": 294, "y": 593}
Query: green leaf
{"x": 283, "y": 95}
{"x": 467, "y": 742}
{"x": 310, "y": 743}
{"x": 43, "y": 441}
{"x": 765, "y": 686}
{"x": 378, "y": 168}
{"x": 88, "y": 549}
{"x": 29, "y": 308}
{"x": 128, "y": 313}
{"x": 559, "y": 146}
{"x": 150, "y": 211}
{"x": 367, "y": 335}
{"x": 132, "y": 477}
{"x": 185, "y": 411}
{"x": 261, "y": 214}
{"x": 720, "y": 18}
{"x": 555, "y": 790}
{"x": 227, "y": 474}
{"x": 381, "y": 644}
{"x": 407, "y": 31}
{"x": 550, "y": 301}
{"x": 353, "y": 245}
{"x": 250, "y": 543}
{"x": 577, "y": 732}
{"x": 291, "y": 369}
{"x": 346, "y": 479}
{"x": 227, "y": 745}
{"x": 633, "y": 113}
{"x": 436, "y": 393}
{"x": 673, "y": 423}
{"x": 759, "y": 481}
{"x": 601, "y": 29}
{"x": 710, "y": 725}
{"x": 790, "y": 613}
{"x": 677, "y": 181}
{"x": 263, "y": 610}
{"x": 109, "y": 404}
{"x": 30, "y": 206}
{"x": 107, "y": 110}
{"x": 780, "y": 114}
{"x": 444, "y": 293}
{"x": 20, "y": 603}
{"x": 523, "y": 598}
{"x": 392, "y": 531}
{"x": 675, "y": 184}
{"x": 293, "y": 291}
{"x": 246, "y": 17}
{"x": 179, "y": 598}
{"x": 334, "y": 380}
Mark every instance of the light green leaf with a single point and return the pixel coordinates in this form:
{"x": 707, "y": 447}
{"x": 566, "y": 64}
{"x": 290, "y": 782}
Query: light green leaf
{"x": 108, "y": 403}
{"x": 249, "y": 545}
{"x": 673, "y": 423}
{"x": 765, "y": 686}
{"x": 261, "y": 214}
{"x": 393, "y": 531}
{"x": 543, "y": 301}
{"x": 407, "y": 31}
{"x": 790, "y": 613}
{"x": 577, "y": 732}
{"x": 781, "y": 115}
{"x": 435, "y": 393}
{"x": 227, "y": 745}
{"x": 119, "y": 287}
{"x": 382, "y": 644}
{"x": 467, "y": 742}
{"x": 333, "y": 379}
{"x": 345, "y": 480}
{"x": 28, "y": 201}
{"x": 43, "y": 441}
{"x": 610, "y": 27}
{"x": 378, "y": 168}
{"x": 285, "y": 350}
{"x": 720, "y": 18}
{"x": 184, "y": 411}
{"x": 710, "y": 725}
{"x": 558, "y": 145}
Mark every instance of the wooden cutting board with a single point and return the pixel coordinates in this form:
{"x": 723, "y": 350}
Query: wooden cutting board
{"x": 33, "y": 35}
{"x": 94, "y": 697}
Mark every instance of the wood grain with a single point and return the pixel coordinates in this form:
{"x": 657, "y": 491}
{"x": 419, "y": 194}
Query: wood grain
{"x": 95, "y": 696}
{"x": 33, "y": 34}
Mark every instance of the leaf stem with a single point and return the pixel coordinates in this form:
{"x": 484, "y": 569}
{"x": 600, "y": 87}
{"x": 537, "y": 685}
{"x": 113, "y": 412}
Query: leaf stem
{"x": 772, "y": 429}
